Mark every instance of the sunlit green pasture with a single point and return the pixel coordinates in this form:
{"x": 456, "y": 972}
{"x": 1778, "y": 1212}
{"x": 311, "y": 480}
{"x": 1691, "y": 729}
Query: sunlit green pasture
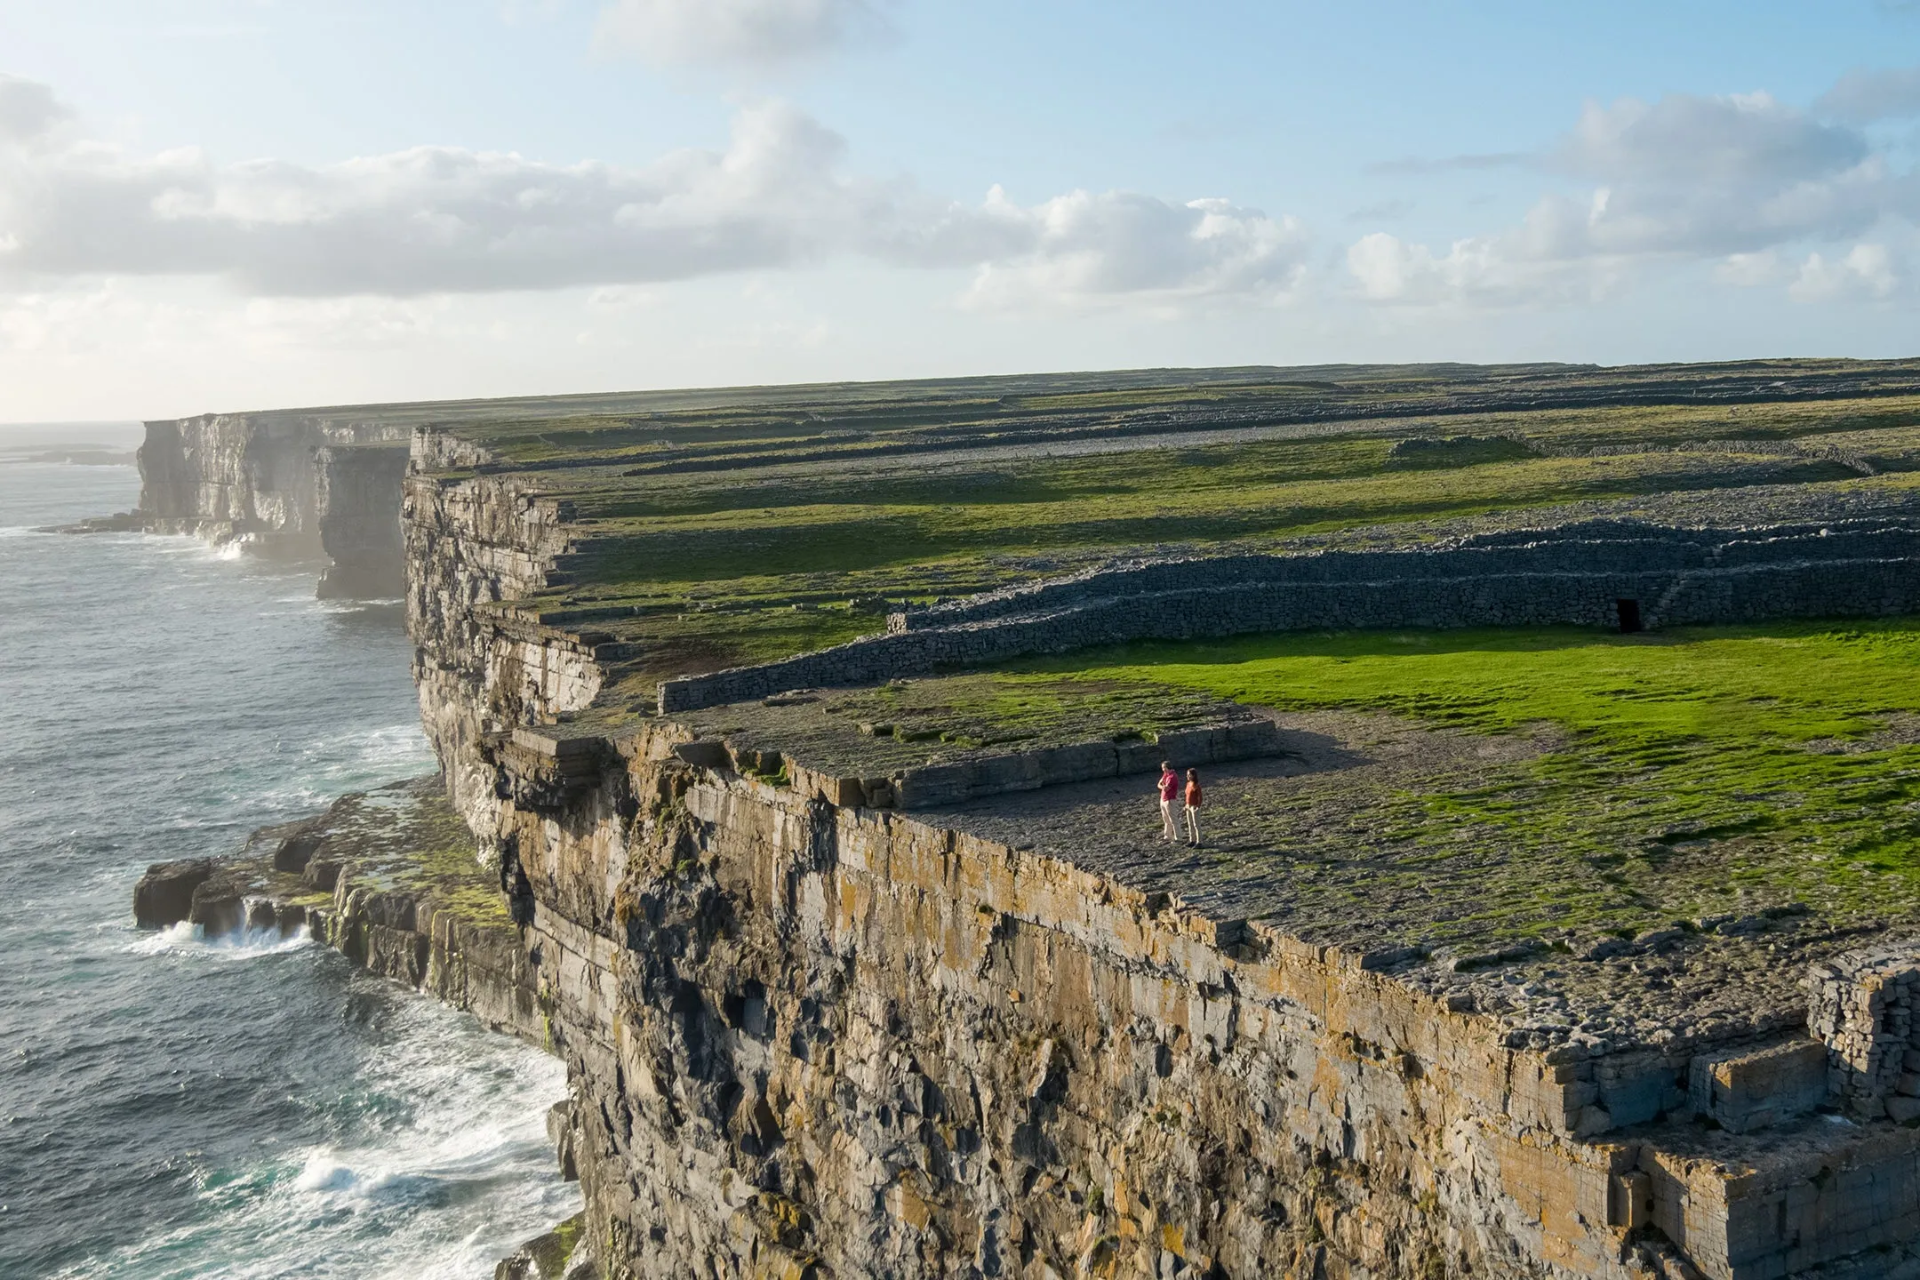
{"x": 1781, "y": 758}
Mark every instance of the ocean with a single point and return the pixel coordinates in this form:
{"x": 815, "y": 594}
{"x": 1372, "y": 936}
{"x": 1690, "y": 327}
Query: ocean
{"x": 248, "y": 1106}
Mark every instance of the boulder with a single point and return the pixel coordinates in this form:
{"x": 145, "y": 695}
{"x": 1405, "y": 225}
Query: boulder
{"x": 543, "y": 1257}
{"x": 295, "y": 852}
{"x": 164, "y": 895}
{"x": 219, "y": 905}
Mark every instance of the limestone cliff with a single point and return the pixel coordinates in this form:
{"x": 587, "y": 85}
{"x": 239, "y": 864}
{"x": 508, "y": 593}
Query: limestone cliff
{"x": 474, "y": 544}
{"x": 806, "y": 1037}
{"x": 290, "y": 485}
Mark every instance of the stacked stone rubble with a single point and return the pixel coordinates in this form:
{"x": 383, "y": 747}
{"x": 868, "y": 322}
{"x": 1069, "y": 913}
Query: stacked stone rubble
{"x": 1863, "y": 1006}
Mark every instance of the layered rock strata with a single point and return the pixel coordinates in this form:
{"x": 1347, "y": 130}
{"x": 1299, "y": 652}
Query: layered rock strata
{"x": 804, "y": 1034}
{"x": 249, "y": 477}
{"x": 474, "y": 543}
{"x": 808, "y": 1034}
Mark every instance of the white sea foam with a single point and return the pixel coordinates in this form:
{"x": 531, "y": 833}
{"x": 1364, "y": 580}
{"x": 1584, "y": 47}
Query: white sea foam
{"x": 185, "y": 939}
{"x": 331, "y": 766}
{"x": 446, "y": 1171}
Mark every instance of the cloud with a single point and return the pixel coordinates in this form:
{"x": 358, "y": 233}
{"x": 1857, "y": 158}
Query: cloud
{"x": 1088, "y": 250}
{"x": 1864, "y": 96}
{"x": 27, "y": 110}
{"x": 1683, "y": 178}
{"x": 757, "y": 32}
{"x": 433, "y": 220}
{"x": 1748, "y": 270}
{"x": 1867, "y": 271}
{"x": 1385, "y": 211}
{"x": 1738, "y": 139}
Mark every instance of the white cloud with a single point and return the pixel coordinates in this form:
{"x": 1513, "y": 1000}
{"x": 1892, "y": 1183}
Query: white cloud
{"x": 1867, "y": 271}
{"x": 1088, "y": 250}
{"x": 1739, "y": 140}
{"x": 1727, "y": 180}
{"x": 672, "y": 32}
{"x": 433, "y": 220}
{"x": 1748, "y": 270}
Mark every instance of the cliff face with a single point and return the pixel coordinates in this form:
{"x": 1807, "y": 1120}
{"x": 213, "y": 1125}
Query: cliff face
{"x": 289, "y": 485}
{"x": 480, "y": 666}
{"x": 810, "y": 1038}
{"x": 357, "y": 501}
{"x": 807, "y": 1037}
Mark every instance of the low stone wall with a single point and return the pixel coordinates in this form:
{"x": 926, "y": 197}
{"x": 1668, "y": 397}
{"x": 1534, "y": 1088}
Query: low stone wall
{"x": 1572, "y": 576}
{"x": 933, "y": 785}
{"x": 1864, "y": 1007}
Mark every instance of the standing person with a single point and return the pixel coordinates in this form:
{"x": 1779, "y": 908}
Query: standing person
{"x": 1193, "y": 807}
{"x": 1169, "y": 792}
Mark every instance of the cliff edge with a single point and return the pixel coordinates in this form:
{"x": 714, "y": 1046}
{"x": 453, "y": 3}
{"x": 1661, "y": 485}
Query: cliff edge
{"x": 889, "y": 974}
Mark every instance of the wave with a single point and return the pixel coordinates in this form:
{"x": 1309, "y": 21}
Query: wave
{"x": 185, "y": 939}
{"x": 330, "y": 767}
{"x": 441, "y": 1167}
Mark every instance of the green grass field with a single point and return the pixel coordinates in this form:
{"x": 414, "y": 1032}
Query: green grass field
{"x": 762, "y": 535}
{"x": 1687, "y": 765}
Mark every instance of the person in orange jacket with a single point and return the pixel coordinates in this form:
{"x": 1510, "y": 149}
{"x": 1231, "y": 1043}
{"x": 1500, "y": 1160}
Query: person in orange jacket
{"x": 1193, "y": 807}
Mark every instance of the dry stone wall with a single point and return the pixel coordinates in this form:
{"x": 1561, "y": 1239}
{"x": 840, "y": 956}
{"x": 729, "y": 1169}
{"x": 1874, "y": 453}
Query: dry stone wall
{"x": 1864, "y": 1007}
{"x": 1575, "y": 575}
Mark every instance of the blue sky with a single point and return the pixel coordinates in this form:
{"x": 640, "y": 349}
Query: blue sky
{"x": 221, "y": 204}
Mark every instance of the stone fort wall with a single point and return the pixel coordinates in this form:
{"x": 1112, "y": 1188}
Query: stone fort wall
{"x": 1601, "y": 573}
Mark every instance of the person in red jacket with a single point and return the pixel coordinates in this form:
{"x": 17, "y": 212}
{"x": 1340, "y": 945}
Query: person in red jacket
{"x": 1169, "y": 792}
{"x": 1193, "y": 807}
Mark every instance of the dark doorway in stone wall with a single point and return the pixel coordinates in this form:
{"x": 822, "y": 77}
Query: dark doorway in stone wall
{"x": 1629, "y": 616}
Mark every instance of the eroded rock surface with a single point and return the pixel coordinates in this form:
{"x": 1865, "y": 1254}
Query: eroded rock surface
{"x": 389, "y": 877}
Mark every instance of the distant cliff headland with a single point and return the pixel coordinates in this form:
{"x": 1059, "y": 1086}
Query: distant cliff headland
{"x": 1558, "y": 913}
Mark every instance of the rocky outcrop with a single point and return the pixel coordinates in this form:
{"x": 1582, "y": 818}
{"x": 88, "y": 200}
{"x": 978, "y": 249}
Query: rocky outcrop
{"x": 164, "y": 894}
{"x": 391, "y": 879}
{"x": 246, "y": 477}
{"x": 806, "y": 1038}
{"x": 560, "y": 1254}
{"x": 808, "y": 1035}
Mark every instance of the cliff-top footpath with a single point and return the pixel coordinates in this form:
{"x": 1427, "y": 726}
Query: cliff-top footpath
{"x": 1556, "y": 912}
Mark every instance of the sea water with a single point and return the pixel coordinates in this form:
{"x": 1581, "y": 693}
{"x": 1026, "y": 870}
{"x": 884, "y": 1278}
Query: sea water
{"x": 248, "y": 1106}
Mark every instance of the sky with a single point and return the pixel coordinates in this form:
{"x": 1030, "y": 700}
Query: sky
{"x": 220, "y": 205}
